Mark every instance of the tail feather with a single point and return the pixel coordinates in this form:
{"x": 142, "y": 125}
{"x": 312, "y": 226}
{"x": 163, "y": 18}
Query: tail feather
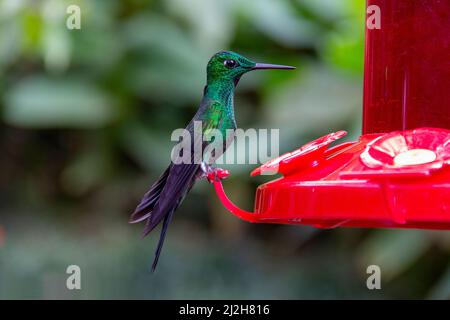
{"x": 156, "y": 218}
{"x": 162, "y": 237}
{"x": 161, "y": 201}
{"x": 179, "y": 182}
{"x": 150, "y": 199}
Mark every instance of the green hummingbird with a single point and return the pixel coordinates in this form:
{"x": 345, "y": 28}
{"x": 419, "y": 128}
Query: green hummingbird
{"x": 216, "y": 112}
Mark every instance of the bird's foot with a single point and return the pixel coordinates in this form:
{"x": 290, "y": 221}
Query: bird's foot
{"x": 213, "y": 174}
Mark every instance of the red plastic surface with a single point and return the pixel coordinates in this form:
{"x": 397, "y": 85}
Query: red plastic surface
{"x": 303, "y": 156}
{"x": 407, "y": 66}
{"x": 339, "y": 187}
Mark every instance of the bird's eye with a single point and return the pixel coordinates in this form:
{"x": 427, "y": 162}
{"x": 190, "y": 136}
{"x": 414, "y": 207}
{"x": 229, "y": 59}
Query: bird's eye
{"x": 230, "y": 63}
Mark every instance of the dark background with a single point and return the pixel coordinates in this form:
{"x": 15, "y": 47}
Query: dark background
{"x": 86, "y": 118}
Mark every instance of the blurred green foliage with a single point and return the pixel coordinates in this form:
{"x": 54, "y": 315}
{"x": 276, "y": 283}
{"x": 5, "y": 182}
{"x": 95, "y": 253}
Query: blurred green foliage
{"x": 86, "y": 118}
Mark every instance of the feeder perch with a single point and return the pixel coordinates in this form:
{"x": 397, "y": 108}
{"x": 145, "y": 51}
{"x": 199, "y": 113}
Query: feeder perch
{"x": 397, "y": 175}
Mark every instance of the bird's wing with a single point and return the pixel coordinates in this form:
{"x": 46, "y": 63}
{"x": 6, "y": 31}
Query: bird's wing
{"x": 181, "y": 178}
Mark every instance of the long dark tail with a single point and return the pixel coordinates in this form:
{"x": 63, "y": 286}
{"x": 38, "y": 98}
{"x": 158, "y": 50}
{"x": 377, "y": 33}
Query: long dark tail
{"x": 167, "y": 220}
{"x": 163, "y": 198}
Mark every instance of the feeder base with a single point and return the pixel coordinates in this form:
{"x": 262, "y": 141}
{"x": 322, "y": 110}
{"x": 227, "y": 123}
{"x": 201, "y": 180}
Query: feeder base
{"x": 362, "y": 184}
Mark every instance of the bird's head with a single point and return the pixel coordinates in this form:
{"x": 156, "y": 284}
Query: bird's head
{"x": 228, "y": 65}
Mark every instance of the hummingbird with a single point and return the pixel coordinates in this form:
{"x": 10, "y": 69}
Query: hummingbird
{"x": 216, "y": 112}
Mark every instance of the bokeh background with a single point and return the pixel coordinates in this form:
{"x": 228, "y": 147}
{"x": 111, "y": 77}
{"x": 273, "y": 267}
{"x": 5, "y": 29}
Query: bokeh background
{"x": 86, "y": 118}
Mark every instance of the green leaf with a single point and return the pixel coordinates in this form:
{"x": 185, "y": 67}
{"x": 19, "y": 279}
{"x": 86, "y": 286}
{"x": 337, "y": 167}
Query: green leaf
{"x": 9, "y": 39}
{"x": 166, "y": 67}
{"x": 344, "y": 46}
{"x": 277, "y": 19}
{"x": 215, "y": 28}
{"x": 44, "y": 102}
{"x": 345, "y": 50}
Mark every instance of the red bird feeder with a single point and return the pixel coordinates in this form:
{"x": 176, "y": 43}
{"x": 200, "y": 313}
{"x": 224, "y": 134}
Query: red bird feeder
{"x": 398, "y": 174}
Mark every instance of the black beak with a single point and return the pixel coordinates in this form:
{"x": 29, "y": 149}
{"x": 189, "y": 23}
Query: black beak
{"x": 262, "y": 66}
